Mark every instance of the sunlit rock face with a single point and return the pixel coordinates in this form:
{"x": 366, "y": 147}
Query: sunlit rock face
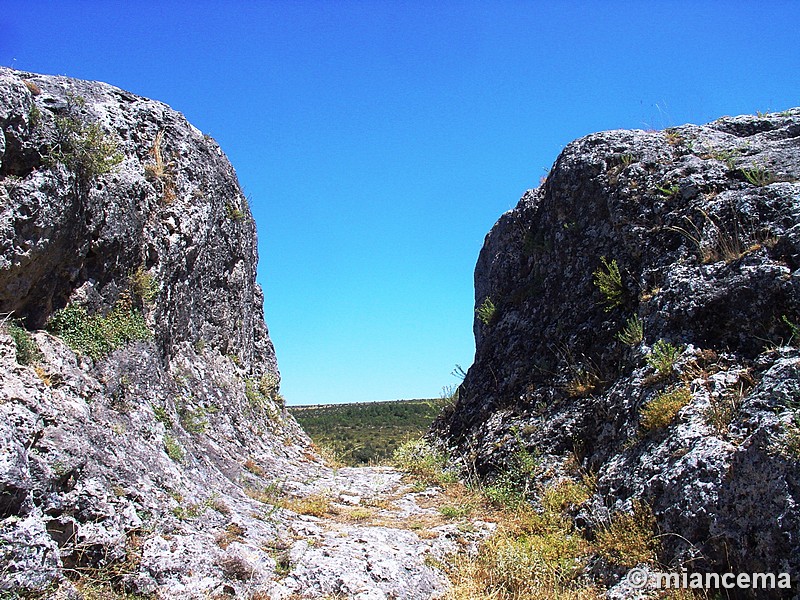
{"x": 117, "y": 205}
{"x": 692, "y": 233}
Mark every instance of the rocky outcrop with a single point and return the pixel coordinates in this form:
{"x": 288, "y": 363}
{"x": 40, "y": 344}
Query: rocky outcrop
{"x": 652, "y": 265}
{"x": 99, "y": 184}
{"x": 123, "y": 230}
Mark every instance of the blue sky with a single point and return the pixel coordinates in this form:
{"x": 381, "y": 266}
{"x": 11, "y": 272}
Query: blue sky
{"x": 379, "y": 141}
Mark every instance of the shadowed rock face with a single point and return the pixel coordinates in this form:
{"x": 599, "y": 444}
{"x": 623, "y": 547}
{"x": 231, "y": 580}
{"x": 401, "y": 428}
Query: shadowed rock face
{"x": 179, "y": 217}
{"x": 704, "y": 225}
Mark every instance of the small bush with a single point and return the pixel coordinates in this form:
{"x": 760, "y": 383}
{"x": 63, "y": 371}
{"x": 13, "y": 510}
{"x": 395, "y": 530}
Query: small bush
{"x": 661, "y": 411}
{"x": 173, "y": 448}
{"x": 633, "y": 332}
{"x": 486, "y": 311}
{"x": 193, "y": 420}
{"x": 97, "y": 335}
{"x": 82, "y": 147}
{"x": 143, "y": 285}
{"x": 630, "y": 538}
{"x": 608, "y": 280}
{"x": 663, "y": 356}
{"x": 28, "y": 351}
{"x": 421, "y": 460}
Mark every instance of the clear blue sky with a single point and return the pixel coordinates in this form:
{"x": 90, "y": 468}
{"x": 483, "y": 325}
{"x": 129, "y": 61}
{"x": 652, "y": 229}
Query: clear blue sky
{"x": 379, "y": 141}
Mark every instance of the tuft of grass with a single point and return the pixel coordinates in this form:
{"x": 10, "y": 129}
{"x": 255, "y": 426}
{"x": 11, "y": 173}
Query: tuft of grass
{"x": 630, "y": 539}
{"x": 608, "y": 280}
{"x": 722, "y": 411}
{"x": 233, "y": 533}
{"x": 565, "y": 494}
{"x": 162, "y": 416}
{"x": 663, "y": 356}
{"x": 791, "y": 438}
{"x": 757, "y": 176}
{"x": 486, "y": 311}
{"x": 663, "y": 409}
{"x": 531, "y": 555}
{"x": 28, "y": 352}
{"x": 270, "y": 494}
{"x": 253, "y": 467}
{"x": 458, "y": 511}
{"x": 632, "y": 333}
{"x": 234, "y": 213}
{"x": 160, "y": 170}
{"x": 583, "y": 384}
{"x": 193, "y": 420}
{"x": 669, "y": 190}
{"x": 97, "y": 335}
{"x": 34, "y": 89}
{"x": 794, "y": 338}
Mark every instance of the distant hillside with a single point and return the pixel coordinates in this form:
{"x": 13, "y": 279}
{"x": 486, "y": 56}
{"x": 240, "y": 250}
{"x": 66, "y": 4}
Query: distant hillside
{"x": 365, "y": 432}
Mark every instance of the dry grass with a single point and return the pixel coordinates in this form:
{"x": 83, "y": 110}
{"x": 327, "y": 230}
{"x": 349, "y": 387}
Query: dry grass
{"x": 663, "y": 409}
{"x": 233, "y": 533}
{"x": 583, "y": 384}
{"x": 317, "y": 505}
{"x": 253, "y": 467}
{"x": 161, "y": 170}
{"x": 630, "y": 539}
{"x": 32, "y": 87}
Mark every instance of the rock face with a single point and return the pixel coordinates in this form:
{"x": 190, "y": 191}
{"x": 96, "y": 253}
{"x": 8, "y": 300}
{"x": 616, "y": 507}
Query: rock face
{"x": 171, "y": 208}
{"x": 693, "y": 234}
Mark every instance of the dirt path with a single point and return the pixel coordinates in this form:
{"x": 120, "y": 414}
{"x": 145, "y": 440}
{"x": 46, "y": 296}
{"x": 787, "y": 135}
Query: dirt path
{"x": 372, "y": 533}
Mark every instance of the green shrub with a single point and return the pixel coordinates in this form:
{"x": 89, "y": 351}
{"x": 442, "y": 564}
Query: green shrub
{"x": 97, "y": 335}
{"x": 83, "y": 148}
{"x": 193, "y": 421}
{"x": 513, "y": 485}
{"x": 234, "y": 213}
{"x": 758, "y": 176}
{"x": 633, "y": 332}
{"x": 663, "y": 356}
{"x": 162, "y": 415}
{"x": 609, "y": 281}
{"x": 486, "y": 311}
{"x": 28, "y": 351}
{"x": 794, "y": 329}
{"x": 253, "y": 393}
{"x": 423, "y": 461}
{"x": 173, "y": 448}
{"x": 143, "y": 285}
{"x": 661, "y": 411}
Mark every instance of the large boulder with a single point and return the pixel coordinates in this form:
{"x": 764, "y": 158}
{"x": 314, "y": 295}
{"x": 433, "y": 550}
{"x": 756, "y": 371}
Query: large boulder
{"x": 652, "y": 263}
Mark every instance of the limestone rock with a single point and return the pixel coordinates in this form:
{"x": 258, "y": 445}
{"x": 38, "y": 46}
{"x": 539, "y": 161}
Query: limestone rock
{"x": 695, "y": 234}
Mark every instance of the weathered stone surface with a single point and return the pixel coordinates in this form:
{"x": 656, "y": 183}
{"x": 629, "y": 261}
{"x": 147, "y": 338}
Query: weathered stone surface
{"x": 704, "y": 224}
{"x": 187, "y": 225}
